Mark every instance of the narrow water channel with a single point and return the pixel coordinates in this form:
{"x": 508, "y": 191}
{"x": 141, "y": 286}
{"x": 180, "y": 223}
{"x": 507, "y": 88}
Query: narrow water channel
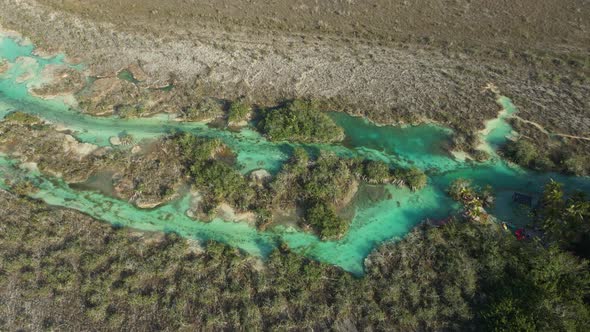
{"x": 374, "y": 222}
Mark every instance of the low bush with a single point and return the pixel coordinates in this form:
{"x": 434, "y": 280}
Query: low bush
{"x": 299, "y": 121}
{"x": 324, "y": 220}
{"x": 22, "y": 118}
{"x": 238, "y": 111}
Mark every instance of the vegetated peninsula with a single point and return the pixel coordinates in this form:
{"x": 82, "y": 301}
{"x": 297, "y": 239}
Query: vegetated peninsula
{"x": 334, "y": 165}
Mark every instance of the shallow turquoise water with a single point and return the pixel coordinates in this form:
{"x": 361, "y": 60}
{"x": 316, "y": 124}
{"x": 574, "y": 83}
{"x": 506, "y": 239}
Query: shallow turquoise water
{"x": 498, "y": 129}
{"x": 12, "y": 49}
{"x": 126, "y": 75}
{"x": 422, "y": 146}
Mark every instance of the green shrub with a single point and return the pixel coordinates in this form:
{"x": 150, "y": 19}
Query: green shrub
{"x": 413, "y": 177}
{"x": 328, "y": 180}
{"x": 22, "y": 118}
{"x": 461, "y": 188}
{"x": 299, "y": 121}
{"x": 317, "y": 187}
{"x": 544, "y": 163}
{"x": 521, "y": 152}
{"x": 458, "y": 188}
{"x": 206, "y": 109}
{"x": 197, "y": 150}
{"x": 576, "y": 165}
{"x": 565, "y": 220}
{"x": 129, "y": 111}
{"x": 324, "y": 220}
{"x": 222, "y": 183}
{"x": 480, "y": 155}
{"x": 564, "y": 158}
{"x": 219, "y": 180}
{"x": 238, "y": 111}
{"x": 376, "y": 172}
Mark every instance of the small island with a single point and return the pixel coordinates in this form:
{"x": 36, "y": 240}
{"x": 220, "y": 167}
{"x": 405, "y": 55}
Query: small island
{"x": 299, "y": 121}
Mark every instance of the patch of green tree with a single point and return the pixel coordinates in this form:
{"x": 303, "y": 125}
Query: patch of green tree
{"x": 379, "y": 172}
{"x": 526, "y": 154}
{"x": 299, "y": 121}
{"x": 318, "y": 186}
{"x": 484, "y": 278}
{"x": 413, "y": 177}
{"x": 473, "y": 199}
{"x": 461, "y": 189}
{"x": 238, "y": 111}
{"x": 323, "y": 218}
{"x": 565, "y": 220}
{"x": 323, "y": 185}
{"x": 22, "y": 118}
{"x": 197, "y": 150}
{"x": 130, "y": 111}
{"x": 522, "y": 152}
{"x": 376, "y": 172}
{"x": 203, "y": 110}
{"x": 221, "y": 182}
{"x": 217, "y": 178}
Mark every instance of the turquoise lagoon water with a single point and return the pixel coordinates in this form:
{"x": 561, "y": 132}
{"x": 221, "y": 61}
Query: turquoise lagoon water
{"x": 374, "y": 222}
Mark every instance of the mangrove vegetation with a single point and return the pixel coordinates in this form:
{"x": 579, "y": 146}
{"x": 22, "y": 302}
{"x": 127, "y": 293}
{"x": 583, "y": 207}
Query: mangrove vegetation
{"x": 299, "y": 121}
{"x": 64, "y": 270}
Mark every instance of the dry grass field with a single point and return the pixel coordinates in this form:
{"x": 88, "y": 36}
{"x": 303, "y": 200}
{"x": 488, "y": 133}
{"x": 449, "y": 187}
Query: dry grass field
{"x": 517, "y": 24}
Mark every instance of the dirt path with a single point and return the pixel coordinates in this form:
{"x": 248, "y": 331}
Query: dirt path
{"x": 545, "y": 131}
